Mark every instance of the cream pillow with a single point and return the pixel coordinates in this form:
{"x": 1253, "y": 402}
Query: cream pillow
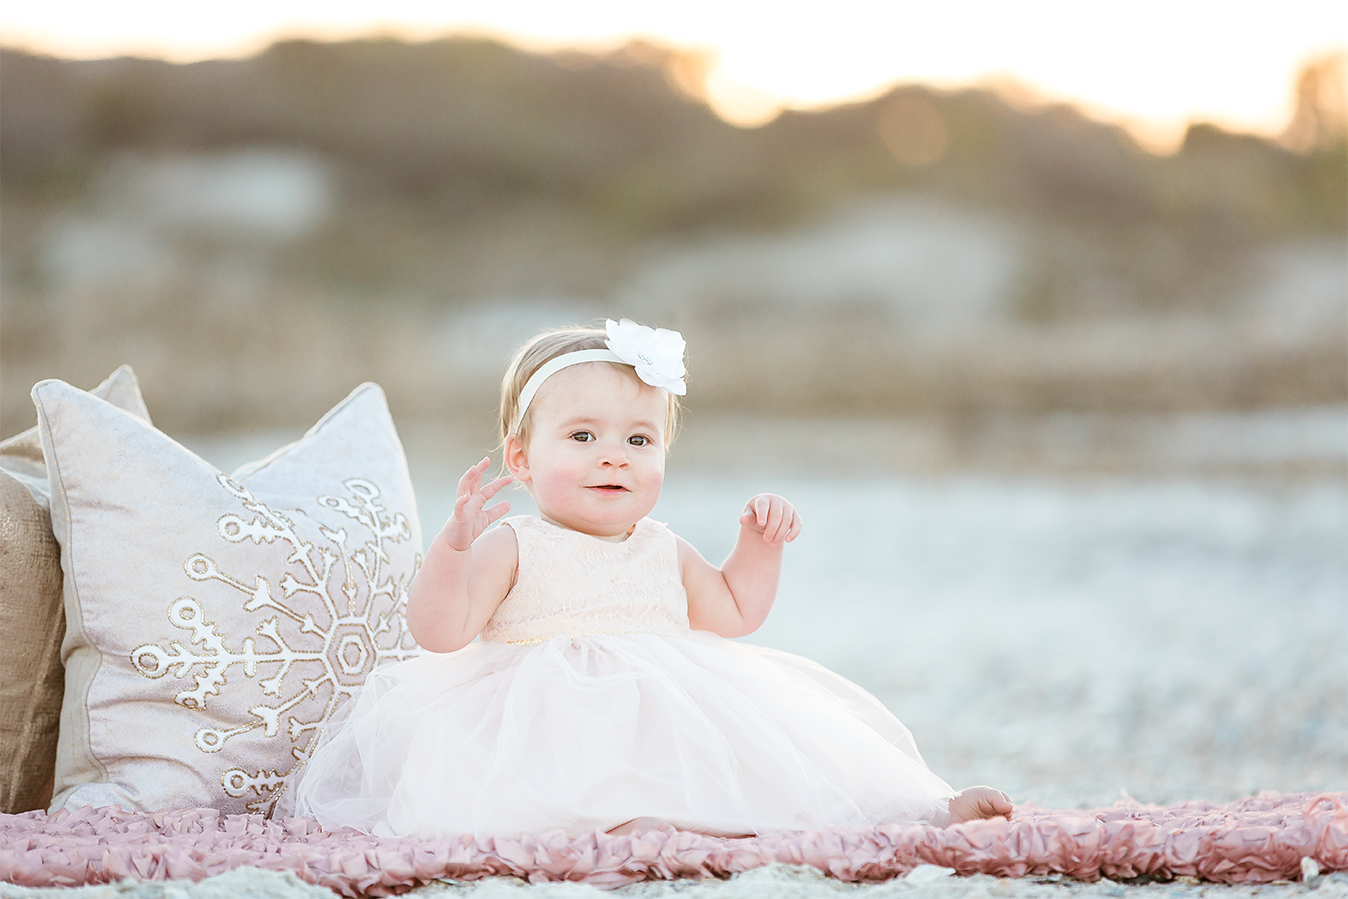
{"x": 31, "y": 617}
{"x": 215, "y": 623}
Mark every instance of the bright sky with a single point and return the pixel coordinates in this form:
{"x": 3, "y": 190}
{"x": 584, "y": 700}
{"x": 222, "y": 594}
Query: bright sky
{"x": 1151, "y": 64}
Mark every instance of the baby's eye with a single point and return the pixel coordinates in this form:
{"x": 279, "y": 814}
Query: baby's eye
{"x": 582, "y": 436}
{"x": 639, "y": 440}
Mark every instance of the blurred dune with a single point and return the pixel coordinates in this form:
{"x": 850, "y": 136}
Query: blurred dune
{"x": 257, "y": 236}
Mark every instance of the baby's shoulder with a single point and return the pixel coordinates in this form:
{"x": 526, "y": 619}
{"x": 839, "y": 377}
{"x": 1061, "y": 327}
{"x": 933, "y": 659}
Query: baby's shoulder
{"x": 497, "y": 548}
{"x": 658, "y": 534}
{"x": 669, "y": 542}
{"x": 504, "y": 531}
{"x": 658, "y": 528}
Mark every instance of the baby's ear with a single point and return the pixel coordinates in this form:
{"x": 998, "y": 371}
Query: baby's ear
{"x": 517, "y": 459}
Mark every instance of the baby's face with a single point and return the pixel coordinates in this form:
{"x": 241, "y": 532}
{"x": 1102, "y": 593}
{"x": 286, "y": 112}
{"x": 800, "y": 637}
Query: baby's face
{"x": 595, "y": 460}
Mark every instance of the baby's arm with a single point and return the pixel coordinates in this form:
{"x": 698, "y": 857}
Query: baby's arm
{"x": 734, "y": 600}
{"x": 466, "y": 573}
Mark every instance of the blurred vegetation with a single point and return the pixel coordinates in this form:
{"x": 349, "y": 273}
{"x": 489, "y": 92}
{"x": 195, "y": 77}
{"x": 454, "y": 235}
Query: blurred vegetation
{"x": 456, "y": 125}
{"x": 467, "y": 169}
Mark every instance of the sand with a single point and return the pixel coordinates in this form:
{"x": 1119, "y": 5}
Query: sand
{"x": 771, "y": 882}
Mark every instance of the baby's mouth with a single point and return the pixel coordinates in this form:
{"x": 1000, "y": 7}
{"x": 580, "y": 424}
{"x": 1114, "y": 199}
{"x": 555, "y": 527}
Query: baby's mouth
{"x": 612, "y": 488}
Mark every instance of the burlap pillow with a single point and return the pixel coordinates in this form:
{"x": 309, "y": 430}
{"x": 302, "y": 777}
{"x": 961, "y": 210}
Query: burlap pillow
{"x": 215, "y": 623}
{"x": 31, "y": 617}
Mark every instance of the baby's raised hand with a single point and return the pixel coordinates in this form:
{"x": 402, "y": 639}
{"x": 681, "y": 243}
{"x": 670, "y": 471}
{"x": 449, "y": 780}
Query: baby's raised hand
{"x": 470, "y": 518}
{"x": 773, "y": 517}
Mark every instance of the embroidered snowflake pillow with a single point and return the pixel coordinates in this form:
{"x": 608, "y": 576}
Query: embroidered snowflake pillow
{"x": 214, "y": 623}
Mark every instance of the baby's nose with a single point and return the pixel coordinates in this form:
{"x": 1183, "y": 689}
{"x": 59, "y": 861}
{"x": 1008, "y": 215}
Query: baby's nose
{"x": 615, "y": 455}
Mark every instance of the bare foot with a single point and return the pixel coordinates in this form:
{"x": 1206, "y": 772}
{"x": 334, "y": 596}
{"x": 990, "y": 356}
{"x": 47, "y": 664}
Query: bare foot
{"x": 641, "y": 825}
{"x": 980, "y": 802}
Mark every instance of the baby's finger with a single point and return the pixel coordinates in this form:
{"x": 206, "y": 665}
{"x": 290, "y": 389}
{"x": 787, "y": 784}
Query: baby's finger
{"x": 794, "y": 530}
{"x": 762, "y": 505}
{"x": 496, "y": 486}
{"x": 473, "y": 476}
{"x": 467, "y": 505}
{"x": 495, "y": 512}
{"x": 465, "y": 483}
{"x": 751, "y": 517}
{"x": 784, "y": 527}
{"x": 774, "y": 523}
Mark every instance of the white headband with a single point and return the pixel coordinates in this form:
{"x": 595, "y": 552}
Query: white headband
{"x": 656, "y": 354}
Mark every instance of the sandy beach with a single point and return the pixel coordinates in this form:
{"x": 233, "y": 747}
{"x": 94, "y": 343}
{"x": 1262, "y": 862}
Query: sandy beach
{"x": 769, "y": 882}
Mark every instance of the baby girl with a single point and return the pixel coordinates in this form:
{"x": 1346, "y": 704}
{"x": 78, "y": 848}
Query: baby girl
{"x": 603, "y": 693}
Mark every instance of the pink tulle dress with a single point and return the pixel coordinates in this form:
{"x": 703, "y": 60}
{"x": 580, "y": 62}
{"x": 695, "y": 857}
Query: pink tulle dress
{"x": 589, "y": 702}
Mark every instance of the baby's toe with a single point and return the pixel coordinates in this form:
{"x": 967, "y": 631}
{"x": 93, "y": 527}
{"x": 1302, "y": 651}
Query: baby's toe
{"x": 980, "y": 802}
{"x": 642, "y": 825}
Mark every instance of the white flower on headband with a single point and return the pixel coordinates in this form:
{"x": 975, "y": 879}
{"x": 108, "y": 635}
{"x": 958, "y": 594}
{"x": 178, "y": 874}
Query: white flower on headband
{"x": 656, "y": 354}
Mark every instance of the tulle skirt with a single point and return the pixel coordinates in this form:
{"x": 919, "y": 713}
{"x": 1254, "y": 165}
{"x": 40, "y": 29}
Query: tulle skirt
{"x": 587, "y": 733}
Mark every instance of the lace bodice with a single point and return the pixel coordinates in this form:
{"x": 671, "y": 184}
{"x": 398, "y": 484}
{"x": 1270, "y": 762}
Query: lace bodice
{"x": 569, "y": 584}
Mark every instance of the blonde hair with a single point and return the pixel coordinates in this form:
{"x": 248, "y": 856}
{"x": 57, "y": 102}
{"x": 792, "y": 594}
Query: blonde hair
{"x": 544, "y": 348}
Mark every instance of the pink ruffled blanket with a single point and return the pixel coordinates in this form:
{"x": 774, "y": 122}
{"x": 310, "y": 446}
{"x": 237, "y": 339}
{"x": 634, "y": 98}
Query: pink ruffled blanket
{"x": 1251, "y": 841}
